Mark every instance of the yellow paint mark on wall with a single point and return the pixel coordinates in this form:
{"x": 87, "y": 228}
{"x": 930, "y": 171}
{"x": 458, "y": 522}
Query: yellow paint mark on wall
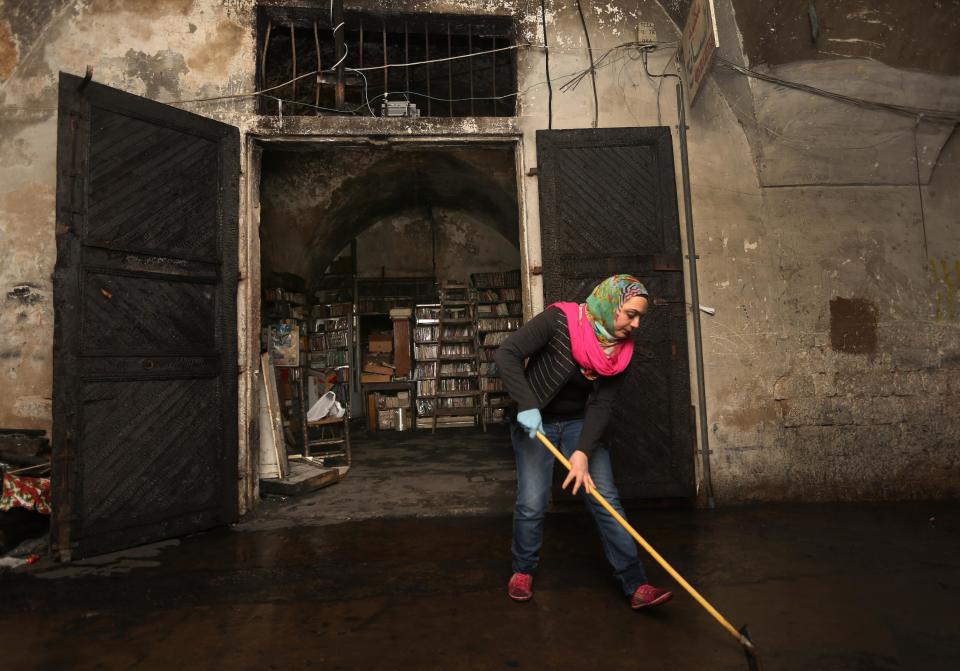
{"x": 8, "y": 51}
{"x": 945, "y": 277}
{"x": 217, "y": 51}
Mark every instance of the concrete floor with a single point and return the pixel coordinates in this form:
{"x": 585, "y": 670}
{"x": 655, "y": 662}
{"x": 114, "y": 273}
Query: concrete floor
{"x": 456, "y": 471}
{"x": 854, "y": 587}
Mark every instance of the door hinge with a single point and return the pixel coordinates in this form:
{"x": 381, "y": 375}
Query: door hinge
{"x": 87, "y": 78}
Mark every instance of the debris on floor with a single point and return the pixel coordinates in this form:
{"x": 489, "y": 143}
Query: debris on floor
{"x": 24, "y": 494}
{"x": 12, "y": 562}
{"x": 304, "y": 477}
{"x": 23, "y": 491}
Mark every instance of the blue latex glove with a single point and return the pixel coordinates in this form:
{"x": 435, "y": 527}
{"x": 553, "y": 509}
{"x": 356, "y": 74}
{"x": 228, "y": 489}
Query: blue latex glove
{"x": 531, "y": 421}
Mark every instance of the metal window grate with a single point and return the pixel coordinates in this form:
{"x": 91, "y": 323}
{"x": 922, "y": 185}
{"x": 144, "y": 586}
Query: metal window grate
{"x": 296, "y": 41}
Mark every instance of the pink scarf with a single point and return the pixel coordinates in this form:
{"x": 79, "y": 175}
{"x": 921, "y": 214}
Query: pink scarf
{"x": 587, "y": 351}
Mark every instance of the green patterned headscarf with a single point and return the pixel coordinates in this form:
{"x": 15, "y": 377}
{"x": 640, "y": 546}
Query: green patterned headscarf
{"x": 604, "y": 301}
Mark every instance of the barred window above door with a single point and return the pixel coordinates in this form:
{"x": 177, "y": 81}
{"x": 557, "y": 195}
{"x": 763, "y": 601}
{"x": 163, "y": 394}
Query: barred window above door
{"x": 422, "y": 65}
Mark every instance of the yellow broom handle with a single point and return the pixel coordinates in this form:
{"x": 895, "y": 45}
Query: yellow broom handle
{"x": 653, "y": 553}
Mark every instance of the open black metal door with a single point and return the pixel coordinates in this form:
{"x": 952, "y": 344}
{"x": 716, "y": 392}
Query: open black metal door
{"x": 145, "y": 353}
{"x": 608, "y": 205}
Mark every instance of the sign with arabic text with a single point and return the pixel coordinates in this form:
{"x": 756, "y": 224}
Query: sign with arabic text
{"x": 697, "y": 45}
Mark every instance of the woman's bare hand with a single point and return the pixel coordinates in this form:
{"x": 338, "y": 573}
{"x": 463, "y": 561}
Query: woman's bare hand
{"x": 579, "y": 474}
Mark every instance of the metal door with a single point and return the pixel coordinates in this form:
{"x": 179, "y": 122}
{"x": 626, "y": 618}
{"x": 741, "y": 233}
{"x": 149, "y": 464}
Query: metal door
{"x": 145, "y": 342}
{"x": 608, "y": 205}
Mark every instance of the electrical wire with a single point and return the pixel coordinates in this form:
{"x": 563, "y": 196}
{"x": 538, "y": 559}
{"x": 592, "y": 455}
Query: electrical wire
{"x": 602, "y": 62}
{"x": 593, "y": 73}
{"x": 313, "y": 73}
{"x": 443, "y": 60}
{"x": 250, "y": 94}
{"x": 245, "y": 94}
{"x": 662, "y": 76}
{"x": 546, "y": 57}
{"x": 926, "y": 113}
{"x": 418, "y": 94}
{"x": 366, "y": 90}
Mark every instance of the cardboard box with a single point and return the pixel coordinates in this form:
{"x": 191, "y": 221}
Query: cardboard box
{"x": 377, "y": 368}
{"x": 386, "y": 420}
{"x": 374, "y": 377}
{"x": 389, "y": 401}
{"x": 380, "y": 341}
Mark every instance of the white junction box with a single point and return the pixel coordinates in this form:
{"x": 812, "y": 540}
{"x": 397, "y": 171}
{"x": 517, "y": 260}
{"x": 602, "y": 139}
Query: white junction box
{"x": 646, "y": 31}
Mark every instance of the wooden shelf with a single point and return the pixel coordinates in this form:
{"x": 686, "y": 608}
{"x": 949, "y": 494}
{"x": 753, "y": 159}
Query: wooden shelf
{"x": 453, "y": 412}
{"x": 330, "y": 441}
{"x": 458, "y": 394}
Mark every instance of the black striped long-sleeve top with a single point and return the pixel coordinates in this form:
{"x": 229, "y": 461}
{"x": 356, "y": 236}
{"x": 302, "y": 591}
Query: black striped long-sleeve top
{"x": 544, "y": 343}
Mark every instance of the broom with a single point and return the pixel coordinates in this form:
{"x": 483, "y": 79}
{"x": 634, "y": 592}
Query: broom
{"x": 743, "y": 638}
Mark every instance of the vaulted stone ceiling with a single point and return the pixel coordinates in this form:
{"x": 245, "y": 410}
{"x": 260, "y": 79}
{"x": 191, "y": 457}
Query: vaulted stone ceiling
{"x": 908, "y": 35}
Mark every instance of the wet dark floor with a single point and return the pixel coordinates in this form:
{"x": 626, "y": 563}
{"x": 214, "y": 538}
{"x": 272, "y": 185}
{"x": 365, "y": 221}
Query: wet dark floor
{"x": 822, "y": 587}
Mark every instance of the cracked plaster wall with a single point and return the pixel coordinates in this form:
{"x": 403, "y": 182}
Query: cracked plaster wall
{"x": 797, "y": 201}
{"x": 164, "y": 49}
{"x": 853, "y": 205}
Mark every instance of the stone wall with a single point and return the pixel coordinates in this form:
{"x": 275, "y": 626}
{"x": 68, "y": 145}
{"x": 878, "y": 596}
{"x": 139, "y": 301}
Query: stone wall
{"x": 315, "y": 202}
{"x": 832, "y": 358}
{"x": 448, "y": 244}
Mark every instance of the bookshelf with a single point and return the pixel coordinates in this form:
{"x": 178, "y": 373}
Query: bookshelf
{"x": 499, "y": 313}
{"x": 458, "y": 392}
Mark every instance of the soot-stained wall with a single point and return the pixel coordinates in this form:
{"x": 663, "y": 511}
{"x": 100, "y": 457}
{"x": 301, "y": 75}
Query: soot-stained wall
{"x": 392, "y": 199}
{"x": 444, "y": 243}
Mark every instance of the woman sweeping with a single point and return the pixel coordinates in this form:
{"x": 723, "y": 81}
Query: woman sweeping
{"x": 576, "y": 355}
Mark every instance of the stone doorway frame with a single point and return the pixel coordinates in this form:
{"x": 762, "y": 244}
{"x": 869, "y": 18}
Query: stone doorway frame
{"x": 327, "y": 131}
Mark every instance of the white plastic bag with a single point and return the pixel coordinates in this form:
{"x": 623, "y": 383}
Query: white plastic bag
{"x": 326, "y": 406}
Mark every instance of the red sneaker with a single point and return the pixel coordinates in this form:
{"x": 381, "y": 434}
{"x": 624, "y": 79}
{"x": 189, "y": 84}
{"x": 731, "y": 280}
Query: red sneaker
{"x": 520, "y": 587}
{"x": 647, "y": 595}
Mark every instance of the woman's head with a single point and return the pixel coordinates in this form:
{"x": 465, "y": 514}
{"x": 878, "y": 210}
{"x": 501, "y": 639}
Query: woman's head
{"x": 616, "y": 306}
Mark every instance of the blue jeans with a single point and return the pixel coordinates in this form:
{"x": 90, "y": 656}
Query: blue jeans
{"x": 534, "y": 479}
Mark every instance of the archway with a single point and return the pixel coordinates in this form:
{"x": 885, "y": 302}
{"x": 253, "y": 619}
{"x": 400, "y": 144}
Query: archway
{"x": 393, "y": 212}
